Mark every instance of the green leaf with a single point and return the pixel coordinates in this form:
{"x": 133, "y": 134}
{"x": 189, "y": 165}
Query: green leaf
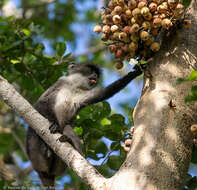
{"x": 26, "y": 32}
{"x": 39, "y": 49}
{"x": 105, "y": 121}
{"x": 14, "y": 61}
{"x": 115, "y": 146}
{"x": 114, "y": 162}
{"x": 192, "y": 76}
{"x": 192, "y": 184}
{"x": 192, "y": 95}
{"x": 60, "y": 48}
{"x": 189, "y": 99}
{"x": 180, "y": 80}
{"x": 194, "y": 90}
{"x": 100, "y": 147}
{"x": 78, "y": 130}
{"x": 194, "y": 156}
{"x": 186, "y": 3}
{"x": 67, "y": 55}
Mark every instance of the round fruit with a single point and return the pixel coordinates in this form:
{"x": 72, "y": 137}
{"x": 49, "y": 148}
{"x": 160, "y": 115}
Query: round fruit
{"x": 122, "y": 36}
{"x": 153, "y": 7}
{"x": 119, "y": 65}
{"x": 146, "y": 25}
{"x": 114, "y": 28}
{"x": 118, "y": 9}
{"x": 193, "y": 128}
{"x": 97, "y": 29}
{"x": 116, "y": 19}
{"x": 166, "y": 23}
{"x": 157, "y": 22}
{"x": 128, "y": 13}
{"x": 127, "y": 29}
{"x": 144, "y": 35}
{"x": 155, "y": 46}
{"x": 136, "y": 12}
{"x": 133, "y": 46}
{"x": 145, "y": 11}
{"x": 134, "y": 28}
{"x": 141, "y": 4}
{"x": 119, "y": 53}
{"x": 128, "y": 142}
{"x": 179, "y": 10}
{"x": 106, "y": 29}
{"x": 104, "y": 37}
{"x": 132, "y": 4}
{"x": 172, "y": 3}
{"x": 112, "y": 48}
{"x": 148, "y": 16}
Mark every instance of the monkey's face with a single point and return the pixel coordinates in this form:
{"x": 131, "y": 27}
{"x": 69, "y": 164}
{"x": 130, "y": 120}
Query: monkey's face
{"x": 86, "y": 74}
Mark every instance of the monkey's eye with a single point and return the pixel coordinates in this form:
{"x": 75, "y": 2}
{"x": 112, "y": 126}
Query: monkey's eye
{"x": 71, "y": 65}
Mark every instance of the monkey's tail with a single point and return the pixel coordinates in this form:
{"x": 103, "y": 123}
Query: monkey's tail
{"x": 47, "y": 180}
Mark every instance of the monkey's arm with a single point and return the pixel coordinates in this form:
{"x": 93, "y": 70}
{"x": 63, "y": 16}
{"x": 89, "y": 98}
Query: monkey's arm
{"x": 98, "y": 95}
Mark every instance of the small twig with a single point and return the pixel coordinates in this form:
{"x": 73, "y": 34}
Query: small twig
{"x": 108, "y": 154}
{"x": 19, "y": 142}
{"x": 33, "y": 75}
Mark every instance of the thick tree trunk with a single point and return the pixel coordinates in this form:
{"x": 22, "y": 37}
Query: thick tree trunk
{"x": 162, "y": 144}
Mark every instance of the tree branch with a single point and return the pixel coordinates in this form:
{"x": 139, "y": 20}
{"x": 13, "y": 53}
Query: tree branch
{"x": 41, "y": 125}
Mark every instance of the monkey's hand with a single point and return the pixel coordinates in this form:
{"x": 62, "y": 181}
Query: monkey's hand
{"x": 139, "y": 68}
{"x": 54, "y": 128}
{"x": 70, "y": 136}
{"x": 64, "y": 138}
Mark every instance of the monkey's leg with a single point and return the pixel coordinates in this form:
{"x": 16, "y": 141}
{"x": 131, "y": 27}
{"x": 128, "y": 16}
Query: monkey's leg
{"x": 54, "y": 128}
{"x": 47, "y": 179}
{"x": 70, "y": 136}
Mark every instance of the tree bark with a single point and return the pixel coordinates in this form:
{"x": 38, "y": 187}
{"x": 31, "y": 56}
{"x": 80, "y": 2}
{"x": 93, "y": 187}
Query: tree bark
{"x": 161, "y": 150}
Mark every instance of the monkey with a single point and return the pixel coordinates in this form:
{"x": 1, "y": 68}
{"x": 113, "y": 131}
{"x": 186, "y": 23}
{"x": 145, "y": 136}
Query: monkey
{"x": 60, "y": 105}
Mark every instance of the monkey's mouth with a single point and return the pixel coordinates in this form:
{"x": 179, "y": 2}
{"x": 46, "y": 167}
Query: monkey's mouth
{"x": 92, "y": 81}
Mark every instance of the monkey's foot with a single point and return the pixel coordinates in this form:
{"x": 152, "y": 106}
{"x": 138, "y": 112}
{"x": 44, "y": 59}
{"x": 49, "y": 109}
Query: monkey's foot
{"x": 64, "y": 138}
{"x": 54, "y": 128}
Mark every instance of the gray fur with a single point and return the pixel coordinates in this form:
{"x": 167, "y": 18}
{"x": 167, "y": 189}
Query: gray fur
{"x": 60, "y": 105}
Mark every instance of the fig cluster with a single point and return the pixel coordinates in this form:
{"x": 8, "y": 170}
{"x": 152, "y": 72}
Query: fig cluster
{"x": 132, "y": 27}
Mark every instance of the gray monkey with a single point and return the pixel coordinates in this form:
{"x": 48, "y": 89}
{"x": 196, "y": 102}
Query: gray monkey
{"x": 60, "y": 105}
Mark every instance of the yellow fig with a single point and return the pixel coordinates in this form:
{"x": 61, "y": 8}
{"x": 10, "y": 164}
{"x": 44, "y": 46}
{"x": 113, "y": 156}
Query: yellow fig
{"x": 114, "y": 28}
{"x": 144, "y": 35}
{"x": 106, "y": 29}
{"x": 116, "y": 19}
{"x": 166, "y": 23}
{"x": 155, "y": 46}
{"x": 145, "y": 11}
